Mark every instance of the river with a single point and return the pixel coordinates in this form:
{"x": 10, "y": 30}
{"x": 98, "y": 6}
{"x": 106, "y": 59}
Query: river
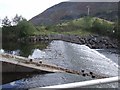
{"x": 69, "y": 55}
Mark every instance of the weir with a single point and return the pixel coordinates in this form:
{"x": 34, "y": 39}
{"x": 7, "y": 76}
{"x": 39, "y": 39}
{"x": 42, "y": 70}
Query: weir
{"x": 13, "y": 63}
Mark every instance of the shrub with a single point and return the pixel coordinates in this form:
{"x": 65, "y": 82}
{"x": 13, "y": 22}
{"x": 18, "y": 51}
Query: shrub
{"x": 25, "y": 28}
{"x": 102, "y": 27}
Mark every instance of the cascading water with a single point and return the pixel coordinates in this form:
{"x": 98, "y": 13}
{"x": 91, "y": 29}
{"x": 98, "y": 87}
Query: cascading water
{"x": 79, "y": 57}
{"x": 37, "y": 54}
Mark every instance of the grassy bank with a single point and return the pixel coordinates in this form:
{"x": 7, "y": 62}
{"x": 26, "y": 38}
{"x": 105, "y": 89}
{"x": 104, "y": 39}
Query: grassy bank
{"x": 57, "y": 30}
{"x": 83, "y": 26}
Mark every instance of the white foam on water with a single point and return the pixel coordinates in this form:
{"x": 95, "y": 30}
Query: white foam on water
{"x": 2, "y": 51}
{"x": 82, "y": 56}
{"x": 12, "y": 83}
{"x": 37, "y": 54}
{"x": 77, "y": 56}
{"x": 101, "y": 56}
{"x": 98, "y": 60}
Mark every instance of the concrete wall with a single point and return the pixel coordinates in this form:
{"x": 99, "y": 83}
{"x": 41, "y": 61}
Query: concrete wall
{"x": 9, "y": 67}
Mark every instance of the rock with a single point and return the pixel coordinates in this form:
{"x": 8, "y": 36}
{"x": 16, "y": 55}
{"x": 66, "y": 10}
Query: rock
{"x": 89, "y": 45}
{"x": 92, "y": 41}
{"x": 82, "y": 41}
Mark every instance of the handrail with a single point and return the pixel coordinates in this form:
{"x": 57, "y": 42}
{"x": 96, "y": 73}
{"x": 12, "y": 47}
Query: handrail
{"x": 86, "y": 83}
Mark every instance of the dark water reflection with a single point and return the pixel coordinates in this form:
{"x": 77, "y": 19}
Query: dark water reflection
{"x": 23, "y": 49}
{"x": 9, "y": 77}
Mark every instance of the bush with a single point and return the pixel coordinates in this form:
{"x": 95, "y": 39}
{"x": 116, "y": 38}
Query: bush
{"x": 25, "y": 29}
{"x": 102, "y": 27}
{"x": 87, "y": 23}
{"x": 117, "y": 30}
{"x": 22, "y": 29}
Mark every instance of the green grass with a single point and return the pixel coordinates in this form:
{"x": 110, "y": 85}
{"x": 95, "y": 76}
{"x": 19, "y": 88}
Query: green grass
{"x": 81, "y": 27}
{"x": 75, "y": 32}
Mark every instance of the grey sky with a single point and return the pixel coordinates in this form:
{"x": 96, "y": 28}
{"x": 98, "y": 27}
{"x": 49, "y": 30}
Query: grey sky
{"x": 26, "y": 8}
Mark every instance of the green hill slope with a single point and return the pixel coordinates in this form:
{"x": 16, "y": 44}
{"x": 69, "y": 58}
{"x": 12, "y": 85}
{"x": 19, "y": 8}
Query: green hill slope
{"x": 81, "y": 26}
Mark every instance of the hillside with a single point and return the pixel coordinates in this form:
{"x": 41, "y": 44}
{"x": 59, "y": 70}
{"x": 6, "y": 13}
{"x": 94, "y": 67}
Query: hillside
{"x": 73, "y": 10}
{"x": 82, "y": 26}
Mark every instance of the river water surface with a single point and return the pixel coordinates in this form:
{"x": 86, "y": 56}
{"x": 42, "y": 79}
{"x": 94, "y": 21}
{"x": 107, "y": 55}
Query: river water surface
{"x": 103, "y": 62}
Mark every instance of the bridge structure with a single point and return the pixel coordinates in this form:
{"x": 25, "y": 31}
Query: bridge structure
{"x": 12, "y": 63}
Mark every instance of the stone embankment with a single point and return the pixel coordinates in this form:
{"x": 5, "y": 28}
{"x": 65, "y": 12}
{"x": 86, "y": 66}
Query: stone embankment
{"x": 92, "y": 41}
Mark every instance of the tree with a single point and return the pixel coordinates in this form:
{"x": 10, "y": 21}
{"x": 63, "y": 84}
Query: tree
{"x": 25, "y": 28}
{"x": 6, "y": 22}
{"x": 17, "y": 19}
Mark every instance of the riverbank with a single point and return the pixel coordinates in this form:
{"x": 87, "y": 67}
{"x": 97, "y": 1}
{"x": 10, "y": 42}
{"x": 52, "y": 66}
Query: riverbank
{"x": 92, "y": 41}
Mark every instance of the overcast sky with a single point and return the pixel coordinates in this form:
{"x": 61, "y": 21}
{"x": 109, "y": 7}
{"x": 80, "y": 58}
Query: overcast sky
{"x": 26, "y": 8}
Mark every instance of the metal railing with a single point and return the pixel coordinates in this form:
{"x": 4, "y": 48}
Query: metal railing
{"x": 86, "y": 83}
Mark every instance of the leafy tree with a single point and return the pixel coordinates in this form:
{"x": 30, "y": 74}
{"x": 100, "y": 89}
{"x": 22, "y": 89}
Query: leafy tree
{"x": 21, "y": 28}
{"x": 17, "y": 19}
{"x": 25, "y": 28}
{"x": 6, "y": 22}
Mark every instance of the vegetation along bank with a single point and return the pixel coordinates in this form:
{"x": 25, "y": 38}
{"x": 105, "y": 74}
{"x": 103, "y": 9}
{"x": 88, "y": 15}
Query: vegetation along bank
{"x": 91, "y": 31}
